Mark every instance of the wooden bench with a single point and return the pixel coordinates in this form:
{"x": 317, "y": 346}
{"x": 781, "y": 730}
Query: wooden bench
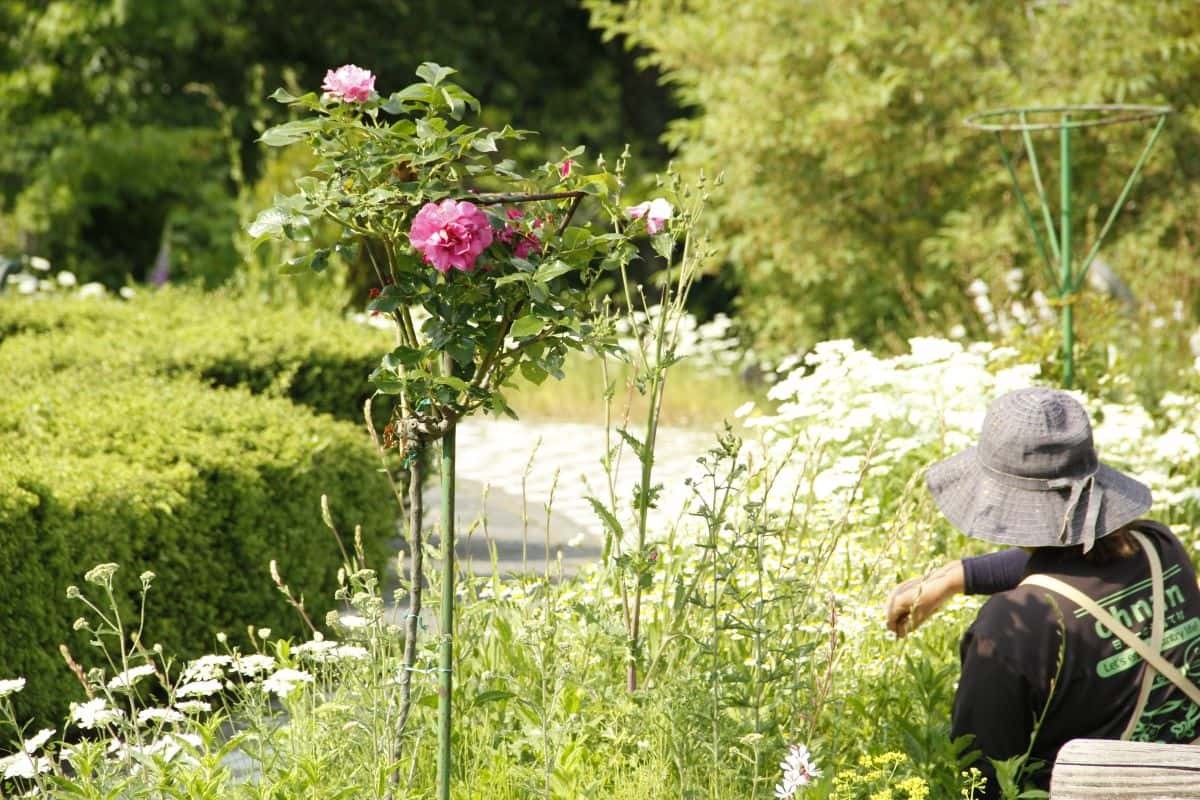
{"x": 1100, "y": 769}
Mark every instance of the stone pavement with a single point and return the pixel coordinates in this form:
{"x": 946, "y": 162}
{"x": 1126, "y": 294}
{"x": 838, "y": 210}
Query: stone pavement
{"x": 509, "y": 471}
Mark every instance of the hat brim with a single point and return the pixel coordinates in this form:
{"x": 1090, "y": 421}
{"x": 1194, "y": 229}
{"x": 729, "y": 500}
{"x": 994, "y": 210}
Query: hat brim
{"x": 979, "y": 505}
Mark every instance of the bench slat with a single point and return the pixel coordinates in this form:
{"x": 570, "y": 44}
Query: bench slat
{"x": 1101, "y": 769}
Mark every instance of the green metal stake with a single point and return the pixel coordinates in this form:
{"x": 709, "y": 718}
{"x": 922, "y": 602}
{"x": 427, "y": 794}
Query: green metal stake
{"x": 1022, "y": 120}
{"x": 446, "y": 654}
{"x": 1066, "y": 286}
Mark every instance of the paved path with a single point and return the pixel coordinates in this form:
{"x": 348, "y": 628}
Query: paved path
{"x": 509, "y": 471}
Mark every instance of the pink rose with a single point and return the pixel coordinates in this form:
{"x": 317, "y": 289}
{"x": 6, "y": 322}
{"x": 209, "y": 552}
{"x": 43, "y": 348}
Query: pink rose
{"x": 350, "y": 83}
{"x": 564, "y": 169}
{"x": 522, "y": 243}
{"x": 450, "y": 234}
{"x": 656, "y": 212}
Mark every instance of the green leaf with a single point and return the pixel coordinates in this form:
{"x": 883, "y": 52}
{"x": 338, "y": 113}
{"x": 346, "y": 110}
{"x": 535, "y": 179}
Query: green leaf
{"x": 533, "y": 373}
{"x": 271, "y": 223}
{"x": 552, "y": 269}
{"x": 401, "y": 101}
{"x": 402, "y": 356}
{"x": 387, "y": 301}
{"x": 528, "y": 325}
{"x": 507, "y": 279}
{"x": 457, "y": 384}
{"x": 457, "y": 107}
{"x": 387, "y": 382}
{"x": 433, "y": 73}
{"x": 608, "y": 518}
{"x": 485, "y": 144}
{"x": 290, "y": 132}
{"x": 491, "y": 696}
{"x": 663, "y": 244}
{"x": 638, "y": 448}
{"x": 282, "y": 95}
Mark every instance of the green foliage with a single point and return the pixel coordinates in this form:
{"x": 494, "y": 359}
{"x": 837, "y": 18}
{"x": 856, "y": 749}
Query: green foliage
{"x": 318, "y": 359}
{"x": 119, "y": 449}
{"x": 521, "y": 300}
{"x": 858, "y": 204}
{"x": 126, "y": 123}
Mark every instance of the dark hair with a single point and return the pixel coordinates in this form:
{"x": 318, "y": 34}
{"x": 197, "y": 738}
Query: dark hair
{"x": 1118, "y": 545}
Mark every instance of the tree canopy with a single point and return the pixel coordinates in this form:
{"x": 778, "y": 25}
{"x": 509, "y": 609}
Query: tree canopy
{"x": 856, "y": 202}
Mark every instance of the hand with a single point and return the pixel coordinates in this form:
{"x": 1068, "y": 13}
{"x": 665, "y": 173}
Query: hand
{"x": 917, "y": 599}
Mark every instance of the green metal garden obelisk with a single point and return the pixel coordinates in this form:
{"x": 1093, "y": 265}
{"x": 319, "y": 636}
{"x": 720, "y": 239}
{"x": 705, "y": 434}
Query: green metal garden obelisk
{"x": 1063, "y": 275}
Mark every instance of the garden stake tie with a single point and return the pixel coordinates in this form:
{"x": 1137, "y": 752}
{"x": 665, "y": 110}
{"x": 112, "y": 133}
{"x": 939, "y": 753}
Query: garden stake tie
{"x": 1060, "y": 271}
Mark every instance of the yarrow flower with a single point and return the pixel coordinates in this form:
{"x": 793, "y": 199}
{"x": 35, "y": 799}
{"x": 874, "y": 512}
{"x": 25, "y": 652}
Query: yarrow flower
{"x": 656, "y": 212}
{"x": 451, "y": 233}
{"x": 198, "y": 688}
{"x": 285, "y": 680}
{"x": 11, "y": 686}
{"x": 131, "y": 676}
{"x": 350, "y": 83}
{"x": 149, "y": 716}
{"x": 798, "y": 770}
{"x": 94, "y": 713}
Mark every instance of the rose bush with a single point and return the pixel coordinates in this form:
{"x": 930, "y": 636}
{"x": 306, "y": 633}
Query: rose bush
{"x": 487, "y": 271}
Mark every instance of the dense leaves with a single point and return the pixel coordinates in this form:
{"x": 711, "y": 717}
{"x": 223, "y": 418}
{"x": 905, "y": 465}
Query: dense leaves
{"x": 858, "y": 204}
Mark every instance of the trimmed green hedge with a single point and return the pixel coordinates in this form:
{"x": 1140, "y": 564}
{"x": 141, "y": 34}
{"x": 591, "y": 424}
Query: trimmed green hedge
{"x": 315, "y": 358}
{"x": 105, "y": 457}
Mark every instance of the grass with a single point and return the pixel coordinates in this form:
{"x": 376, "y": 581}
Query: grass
{"x": 695, "y": 399}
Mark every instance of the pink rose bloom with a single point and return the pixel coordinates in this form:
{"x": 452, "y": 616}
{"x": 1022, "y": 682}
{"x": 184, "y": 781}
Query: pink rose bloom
{"x": 523, "y": 244}
{"x": 450, "y": 234}
{"x": 656, "y": 212}
{"x": 350, "y": 83}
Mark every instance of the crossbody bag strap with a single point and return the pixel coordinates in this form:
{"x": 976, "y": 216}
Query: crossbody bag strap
{"x": 1164, "y": 667}
{"x": 1158, "y": 604}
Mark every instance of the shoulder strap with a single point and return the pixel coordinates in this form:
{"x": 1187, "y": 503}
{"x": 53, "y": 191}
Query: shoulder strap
{"x": 1158, "y": 604}
{"x": 1152, "y": 657}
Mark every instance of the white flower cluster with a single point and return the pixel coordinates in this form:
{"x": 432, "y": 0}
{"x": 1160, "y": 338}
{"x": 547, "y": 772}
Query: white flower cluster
{"x": 798, "y": 772}
{"x": 848, "y": 410}
{"x": 711, "y": 346}
{"x": 38, "y": 281}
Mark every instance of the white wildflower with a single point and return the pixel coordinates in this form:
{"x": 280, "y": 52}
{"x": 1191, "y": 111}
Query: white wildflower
{"x": 285, "y": 680}
{"x": 194, "y": 707}
{"x": 36, "y": 741}
{"x": 253, "y": 664}
{"x": 148, "y": 716}
{"x": 206, "y": 668}
{"x": 66, "y": 278}
{"x": 94, "y": 713}
{"x": 22, "y": 765}
{"x": 198, "y": 688}
{"x": 39, "y": 263}
{"x": 11, "y": 686}
{"x": 798, "y": 770}
{"x": 92, "y": 290}
{"x": 353, "y": 652}
{"x": 317, "y": 649}
{"x": 129, "y": 677}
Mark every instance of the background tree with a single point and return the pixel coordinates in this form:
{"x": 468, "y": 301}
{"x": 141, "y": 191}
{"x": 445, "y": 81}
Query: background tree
{"x": 124, "y": 124}
{"x": 857, "y": 204}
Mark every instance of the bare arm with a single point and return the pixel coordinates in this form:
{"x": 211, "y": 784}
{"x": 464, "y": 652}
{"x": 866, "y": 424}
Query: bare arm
{"x": 916, "y": 600}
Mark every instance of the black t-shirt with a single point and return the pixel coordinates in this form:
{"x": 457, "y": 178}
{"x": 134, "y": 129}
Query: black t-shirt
{"x": 1010, "y": 657}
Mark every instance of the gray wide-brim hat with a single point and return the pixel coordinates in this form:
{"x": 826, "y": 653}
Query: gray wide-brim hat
{"x": 1034, "y": 479}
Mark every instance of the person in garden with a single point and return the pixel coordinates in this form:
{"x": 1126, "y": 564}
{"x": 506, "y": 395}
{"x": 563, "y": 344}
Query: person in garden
{"x": 1087, "y": 596}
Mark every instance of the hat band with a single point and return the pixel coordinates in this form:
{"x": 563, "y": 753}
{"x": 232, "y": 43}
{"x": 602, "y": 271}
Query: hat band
{"x": 1076, "y": 484}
